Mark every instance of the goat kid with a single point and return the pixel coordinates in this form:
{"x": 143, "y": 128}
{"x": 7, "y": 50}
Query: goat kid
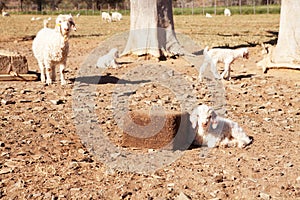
{"x": 213, "y": 130}
{"x": 109, "y": 59}
{"x": 226, "y": 56}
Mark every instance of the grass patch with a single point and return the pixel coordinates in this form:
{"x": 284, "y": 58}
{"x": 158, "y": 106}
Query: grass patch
{"x": 235, "y": 10}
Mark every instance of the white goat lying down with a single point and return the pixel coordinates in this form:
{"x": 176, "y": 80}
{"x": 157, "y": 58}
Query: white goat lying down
{"x": 51, "y": 47}
{"x": 109, "y": 59}
{"x": 116, "y": 16}
{"x": 213, "y": 130}
{"x": 226, "y": 56}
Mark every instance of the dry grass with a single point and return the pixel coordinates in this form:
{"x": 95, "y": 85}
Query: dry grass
{"x": 216, "y": 31}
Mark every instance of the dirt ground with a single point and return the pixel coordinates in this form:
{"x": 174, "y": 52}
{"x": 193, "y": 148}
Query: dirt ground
{"x": 42, "y": 156}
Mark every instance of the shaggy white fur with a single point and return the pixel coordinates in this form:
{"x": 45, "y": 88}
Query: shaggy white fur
{"x": 109, "y": 59}
{"x": 51, "y": 47}
{"x": 227, "y": 12}
{"x": 213, "y": 130}
{"x": 116, "y": 16}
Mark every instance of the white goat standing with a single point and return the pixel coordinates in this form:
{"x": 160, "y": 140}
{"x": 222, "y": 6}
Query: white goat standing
{"x": 116, "y": 16}
{"x": 5, "y": 14}
{"x": 109, "y": 59}
{"x": 213, "y": 130}
{"x": 226, "y": 56}
{"x": 208, "y": 15}
{"x": 227, "y": 12}
{"x": 106, "y": 16}
{"x": 51, "y": 47}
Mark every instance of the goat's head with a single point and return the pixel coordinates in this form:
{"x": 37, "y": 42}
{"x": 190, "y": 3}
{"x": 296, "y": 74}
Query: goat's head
{"x": 203, "y": 116}
{"x": 64, "y": 24}
{"x": 266, "y": 49}
{"x": 114, "y": 52}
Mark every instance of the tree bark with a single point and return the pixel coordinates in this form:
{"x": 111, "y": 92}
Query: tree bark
{"x": 152, "y": 29}
{"x": 287, "y": 49}
{"x": 286, "y": 54}
{"x": 39, "y": 5}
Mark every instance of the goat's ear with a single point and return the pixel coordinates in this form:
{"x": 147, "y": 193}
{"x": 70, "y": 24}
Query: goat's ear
{"x": 73, "y": 26}
{"x": 194, "y": 119}
{"x": 212, "y": 113}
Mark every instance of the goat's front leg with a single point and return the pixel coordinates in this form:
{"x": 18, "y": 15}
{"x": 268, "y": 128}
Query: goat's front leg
{"x": 48, "y": 76}
{"x": 226, "y": 71}
{"x": 53, "y": 74}
{"x": 62, "y": 74}
{"x": 42, "y": 69}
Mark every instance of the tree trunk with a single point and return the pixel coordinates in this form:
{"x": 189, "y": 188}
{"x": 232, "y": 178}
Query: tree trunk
{"x": 152, "y": 29}
{"x": 21, "y": 5}
{"x": 288, "y": 45}
{"x": 39, "y": 5}
{"x": 286, "y": 54}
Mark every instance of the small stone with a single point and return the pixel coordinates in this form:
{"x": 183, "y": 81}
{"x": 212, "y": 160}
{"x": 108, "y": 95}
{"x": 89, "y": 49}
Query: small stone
{"x": 25, "y": 91}
{"x": 298, "y": 179}
{"x": 75, "y": 189}
{"x": 218, "y": 178}
{"x": 7, "y": 102}
{"x": 81, "y": 151}
{"x": 21, "y": 153}
{"x": 267, "y": 119}
{"x": 38, "y": 108}
{"x": 264, "y": 196}
{"x": 24, "y": 101}
{"x": 5, "y": 171}
{"x": 2, "y": 144}
{"x": 182, "y": 196}
{"x": 74, "y": 165}
{"x": 151, "y": 150}
{"x": 57, "y": 102}
{"x": 66, "y": 142}
{"x": 170, "y": 184}
{"x": 288, "y": 165}
{"x": 126, "y": 194}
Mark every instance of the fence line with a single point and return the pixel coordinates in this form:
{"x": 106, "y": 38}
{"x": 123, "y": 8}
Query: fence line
{"x": 184, "y": 9}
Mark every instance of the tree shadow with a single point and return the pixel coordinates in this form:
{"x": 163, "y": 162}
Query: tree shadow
{"x": 272, "y": 35}
{"x": 106, "y": 79}
{"x": 198, "y": 53}
{"x": 249, "y": 44}
{"x": 242, "y": 76}
{"x": 87, "y": 35}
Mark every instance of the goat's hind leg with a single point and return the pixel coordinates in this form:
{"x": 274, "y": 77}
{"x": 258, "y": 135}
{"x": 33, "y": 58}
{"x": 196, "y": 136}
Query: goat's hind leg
{"x": 42, "y": 69}
{"x": 214, "y": 70}
{"x": 62, "y": 74}
{"x": 48, "y": 76}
